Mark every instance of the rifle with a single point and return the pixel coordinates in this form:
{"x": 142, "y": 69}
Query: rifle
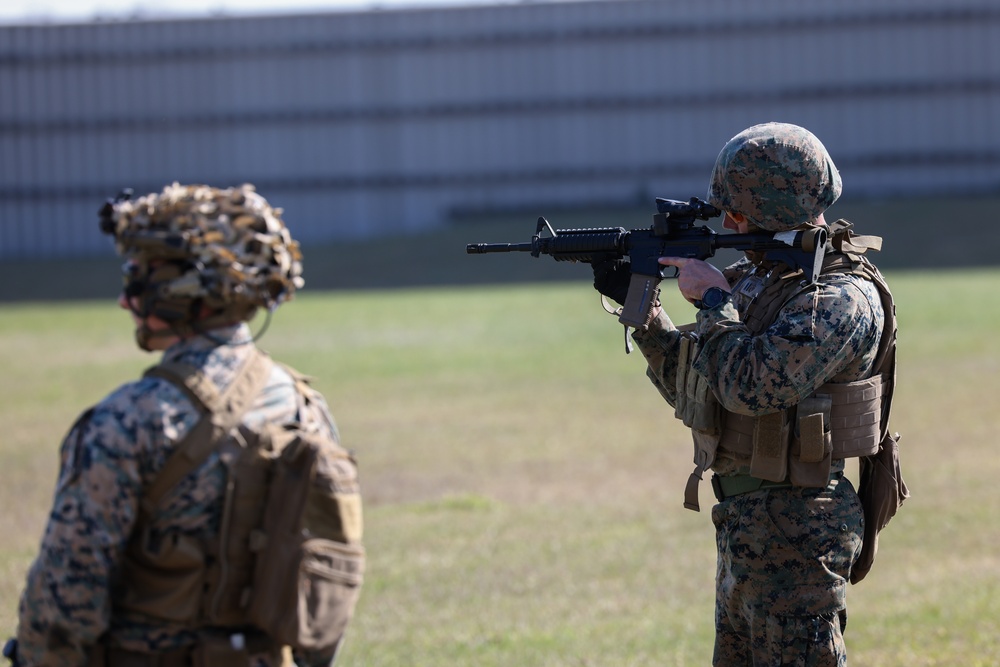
{"x": 674, "y": 233}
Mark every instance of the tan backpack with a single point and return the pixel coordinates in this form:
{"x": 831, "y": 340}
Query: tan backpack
{"x": 287, "y": 561}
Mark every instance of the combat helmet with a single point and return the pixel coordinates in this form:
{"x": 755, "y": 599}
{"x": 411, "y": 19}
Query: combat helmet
{"x": 778, "y": 175}
{"x": 200, "y": 257}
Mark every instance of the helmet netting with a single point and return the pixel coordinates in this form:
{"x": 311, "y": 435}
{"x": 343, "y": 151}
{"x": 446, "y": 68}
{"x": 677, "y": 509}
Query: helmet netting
{"x": 230, "y": 248}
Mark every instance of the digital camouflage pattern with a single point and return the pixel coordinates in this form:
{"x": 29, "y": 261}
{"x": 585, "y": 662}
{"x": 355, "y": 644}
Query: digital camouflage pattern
{"x": 829, "y": 332}
{"x": 784, "y": 554}
{"x": 776, "y": 174}
{"x": 785, "y": 557}
{"x": 115, "y": 449}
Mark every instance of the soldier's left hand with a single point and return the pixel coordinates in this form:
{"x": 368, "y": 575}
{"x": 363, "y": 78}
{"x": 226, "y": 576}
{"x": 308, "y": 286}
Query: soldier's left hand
{"x": 695, "y": 276}
{"x": 612, "y": 277}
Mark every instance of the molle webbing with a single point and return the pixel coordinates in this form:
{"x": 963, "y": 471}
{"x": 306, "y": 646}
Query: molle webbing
{"x": 855, "y": 417}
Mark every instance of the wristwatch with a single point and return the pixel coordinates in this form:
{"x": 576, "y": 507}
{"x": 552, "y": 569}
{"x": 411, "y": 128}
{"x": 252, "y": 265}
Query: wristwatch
{"x": 712, "y": 298}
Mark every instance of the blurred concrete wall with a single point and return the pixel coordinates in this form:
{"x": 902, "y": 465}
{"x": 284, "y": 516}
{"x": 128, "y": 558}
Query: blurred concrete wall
{"x": 360, "y": 124}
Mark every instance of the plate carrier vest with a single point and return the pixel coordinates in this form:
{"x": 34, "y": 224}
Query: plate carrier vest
{"x": 838, "y": 421}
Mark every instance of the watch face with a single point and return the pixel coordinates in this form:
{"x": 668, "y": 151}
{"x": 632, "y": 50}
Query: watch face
{"x": 713, "y": 297}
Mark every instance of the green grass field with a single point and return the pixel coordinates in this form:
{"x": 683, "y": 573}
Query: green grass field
{"x": 523, "y": 480}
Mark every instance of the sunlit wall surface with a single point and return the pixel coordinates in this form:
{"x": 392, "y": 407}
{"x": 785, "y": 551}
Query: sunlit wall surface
{"x": 359, "y": 124}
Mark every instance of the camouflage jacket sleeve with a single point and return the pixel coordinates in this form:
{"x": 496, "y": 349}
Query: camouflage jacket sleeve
{"x": 65, "y": 606}
{"x": 659, "y": 345}
{"x": 828, "y": 332}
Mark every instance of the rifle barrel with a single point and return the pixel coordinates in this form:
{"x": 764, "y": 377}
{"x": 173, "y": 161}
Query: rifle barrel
{"x": 483, "y": 248}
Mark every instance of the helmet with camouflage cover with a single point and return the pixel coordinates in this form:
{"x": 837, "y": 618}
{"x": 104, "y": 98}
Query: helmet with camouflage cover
{"x": 200, "y": 257}
{"x": 778, "y": 175}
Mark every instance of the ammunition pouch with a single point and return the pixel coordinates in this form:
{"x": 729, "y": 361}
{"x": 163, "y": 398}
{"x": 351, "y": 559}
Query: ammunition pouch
{"x": 799, "y": 445}
{"x": 696, "y": 404}
{"x": 839, "y": 421}
{"x": 812, "y": 448}
{"x": 769, "y": 459}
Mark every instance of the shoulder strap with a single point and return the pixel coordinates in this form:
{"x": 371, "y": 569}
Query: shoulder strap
{"x": 222, "y": 411}
{"x": 303, "y": 383}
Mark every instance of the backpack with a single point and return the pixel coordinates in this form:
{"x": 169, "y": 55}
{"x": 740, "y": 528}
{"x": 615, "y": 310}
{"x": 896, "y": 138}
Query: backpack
{"x": 287, "y": 559}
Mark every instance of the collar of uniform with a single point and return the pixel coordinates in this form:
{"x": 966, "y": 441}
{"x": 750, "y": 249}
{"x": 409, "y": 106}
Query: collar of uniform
{"x": 237, "y": 334}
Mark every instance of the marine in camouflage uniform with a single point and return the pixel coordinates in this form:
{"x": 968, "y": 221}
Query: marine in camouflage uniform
{"x": 785, "y": 552}
{"x": 190, "y": 302}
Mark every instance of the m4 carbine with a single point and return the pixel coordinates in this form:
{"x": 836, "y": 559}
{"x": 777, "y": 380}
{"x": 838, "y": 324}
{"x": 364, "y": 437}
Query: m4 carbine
{"x": 674, "y": 233}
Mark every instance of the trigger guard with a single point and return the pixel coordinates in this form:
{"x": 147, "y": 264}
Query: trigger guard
{"x": 663, "y": 272}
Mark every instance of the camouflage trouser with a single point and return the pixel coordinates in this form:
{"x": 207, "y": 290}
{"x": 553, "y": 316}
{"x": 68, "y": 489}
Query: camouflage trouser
{"x": 785, "y": 556}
